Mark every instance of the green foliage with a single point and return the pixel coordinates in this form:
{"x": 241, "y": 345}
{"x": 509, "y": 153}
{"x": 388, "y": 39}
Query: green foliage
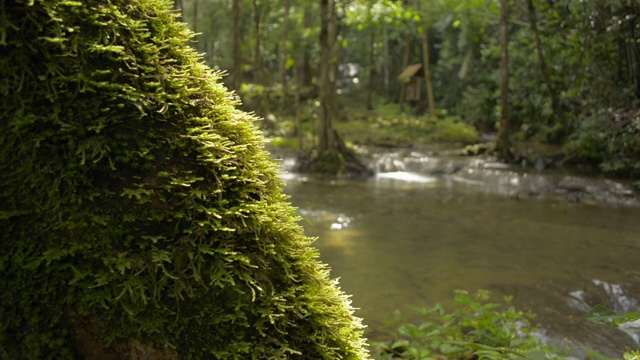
{"x": 389, "y": 127}
{"x": 600, "y": 314}
{"x": 138, "y": 205}
{"x": 611, "y": 139}
{"x": 474, "y": 329}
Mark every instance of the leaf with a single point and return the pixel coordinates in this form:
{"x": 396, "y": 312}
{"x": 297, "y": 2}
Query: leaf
{"x": 596, "y": 355}
{"x": 599, "y": 314}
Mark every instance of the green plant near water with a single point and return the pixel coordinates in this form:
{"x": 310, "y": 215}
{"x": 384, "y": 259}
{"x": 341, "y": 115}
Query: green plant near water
{"x": 600, "y": 314}
{"x": 474, "y": 329}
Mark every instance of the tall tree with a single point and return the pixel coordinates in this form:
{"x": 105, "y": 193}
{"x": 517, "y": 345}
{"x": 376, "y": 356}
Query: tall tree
{"x": 542, "y": 64}
{"x": 372, "y": 46}
{"x": 326, "y": 79}
{"x": 284, "y": 55}
{"x": 502, "y": 144}
{"x": 237, "y": 45}
{"x": 408, "y": 51}
{"x": 423, "y": 27}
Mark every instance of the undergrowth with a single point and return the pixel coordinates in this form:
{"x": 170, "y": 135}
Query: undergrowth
{"x": 473, "y": 329}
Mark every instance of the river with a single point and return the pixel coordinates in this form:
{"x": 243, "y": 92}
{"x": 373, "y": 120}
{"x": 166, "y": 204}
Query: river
{"x": 429, "y": 223}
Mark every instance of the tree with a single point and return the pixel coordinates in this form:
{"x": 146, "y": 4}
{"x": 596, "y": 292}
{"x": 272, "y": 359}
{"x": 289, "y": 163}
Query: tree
{"x": 426, "y": 62}
{"x": 542, "y": 63}
{"x": 284, "y": 55}
{"x": 326, "y": 80}
{"x": 502, "y": 143}
{"x": 237, "y": 45}
{"x": 139, "y": 212}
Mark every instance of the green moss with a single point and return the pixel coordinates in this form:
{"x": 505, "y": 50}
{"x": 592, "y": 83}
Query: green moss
{"x": 138, "y": 205}
{"x": 405, "y": 130}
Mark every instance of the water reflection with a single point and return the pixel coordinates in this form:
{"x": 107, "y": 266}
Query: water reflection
{"x": 412, "y": 239}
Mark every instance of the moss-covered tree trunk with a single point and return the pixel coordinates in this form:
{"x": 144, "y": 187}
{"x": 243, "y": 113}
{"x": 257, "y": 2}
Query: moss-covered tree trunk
{"x": 140, "y": 216}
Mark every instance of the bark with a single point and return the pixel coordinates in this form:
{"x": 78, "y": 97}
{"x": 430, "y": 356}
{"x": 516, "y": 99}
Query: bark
{"x": 284, "y": 56}
{"x": 502, "y": 143}
{"x": 332, "y": 156}
{"x": 385, "y": 36}
{"x": 427, "y": 72}
{"x": 372, "y": 41}
{"x": 426, "y": 65}
{"x": 237, "y": 46}
{"x": 296, "y": 99}
{"x": 326, "y": 82}
{"x": 257, "y": 52}
{"x": 259, "y": 73}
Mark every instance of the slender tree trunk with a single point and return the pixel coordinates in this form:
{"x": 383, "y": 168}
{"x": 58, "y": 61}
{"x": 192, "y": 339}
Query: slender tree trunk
{"x": 408, "y": 44}
{"x": 385, "y": 36}
{"x": 544, "y": 71}
{"x": 259, "y": 75}
{"x": 307, "y": 22}
{"x": 297, "y": 118}
{"x": 426, "y": 65}
{"x": 502, "y": 143}
{"x": 326, "y": 80}
{"x": 237, "y": 46}
{"x": 284, "y": 54}
{"x": 372, "y": 41}
{"x": 257, "y": 52}
{"x": 427, "y": 72}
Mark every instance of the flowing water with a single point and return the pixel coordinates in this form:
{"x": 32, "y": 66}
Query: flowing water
{"x": 425, "y": 226}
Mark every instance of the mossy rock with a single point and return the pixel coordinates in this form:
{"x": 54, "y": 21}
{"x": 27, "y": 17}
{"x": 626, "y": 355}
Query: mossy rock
{"x": 140, "y": 216}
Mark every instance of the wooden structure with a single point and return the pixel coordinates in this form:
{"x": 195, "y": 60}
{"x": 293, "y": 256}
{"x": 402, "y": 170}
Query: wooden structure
{"x": 410, "y": 79}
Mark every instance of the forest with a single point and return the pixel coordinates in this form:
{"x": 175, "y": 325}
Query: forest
{"x": 547, "y": 82}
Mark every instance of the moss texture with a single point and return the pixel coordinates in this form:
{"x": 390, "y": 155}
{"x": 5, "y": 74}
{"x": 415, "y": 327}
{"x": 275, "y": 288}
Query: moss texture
{"x": 139, "y": 213}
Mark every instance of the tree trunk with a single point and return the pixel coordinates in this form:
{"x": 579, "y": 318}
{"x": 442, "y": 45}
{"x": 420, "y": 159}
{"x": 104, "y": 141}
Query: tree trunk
{"x": 385, "y": 36}
{"x": 326, "y": 81}
{"x": 259, "y": 73}
{"x": 426, "y": 65}
{"x": 237, "y": 46}
{"x": 427, "y": 72}
{"x": 298, "y": 120}
{"x": 257, "y": 52}
{"x": 405, "y": 62}
{"x": 502, "y": 143}
{"x": 372, "y": 41}
{"x": 284, "y": 54}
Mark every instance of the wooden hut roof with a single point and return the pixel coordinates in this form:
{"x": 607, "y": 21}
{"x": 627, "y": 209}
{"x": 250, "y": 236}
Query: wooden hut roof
{"x": 411, "y": 71}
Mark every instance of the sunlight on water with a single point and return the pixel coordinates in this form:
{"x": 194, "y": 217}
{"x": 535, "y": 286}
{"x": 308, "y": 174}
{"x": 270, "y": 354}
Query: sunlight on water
{"x": 406, "y": 176}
